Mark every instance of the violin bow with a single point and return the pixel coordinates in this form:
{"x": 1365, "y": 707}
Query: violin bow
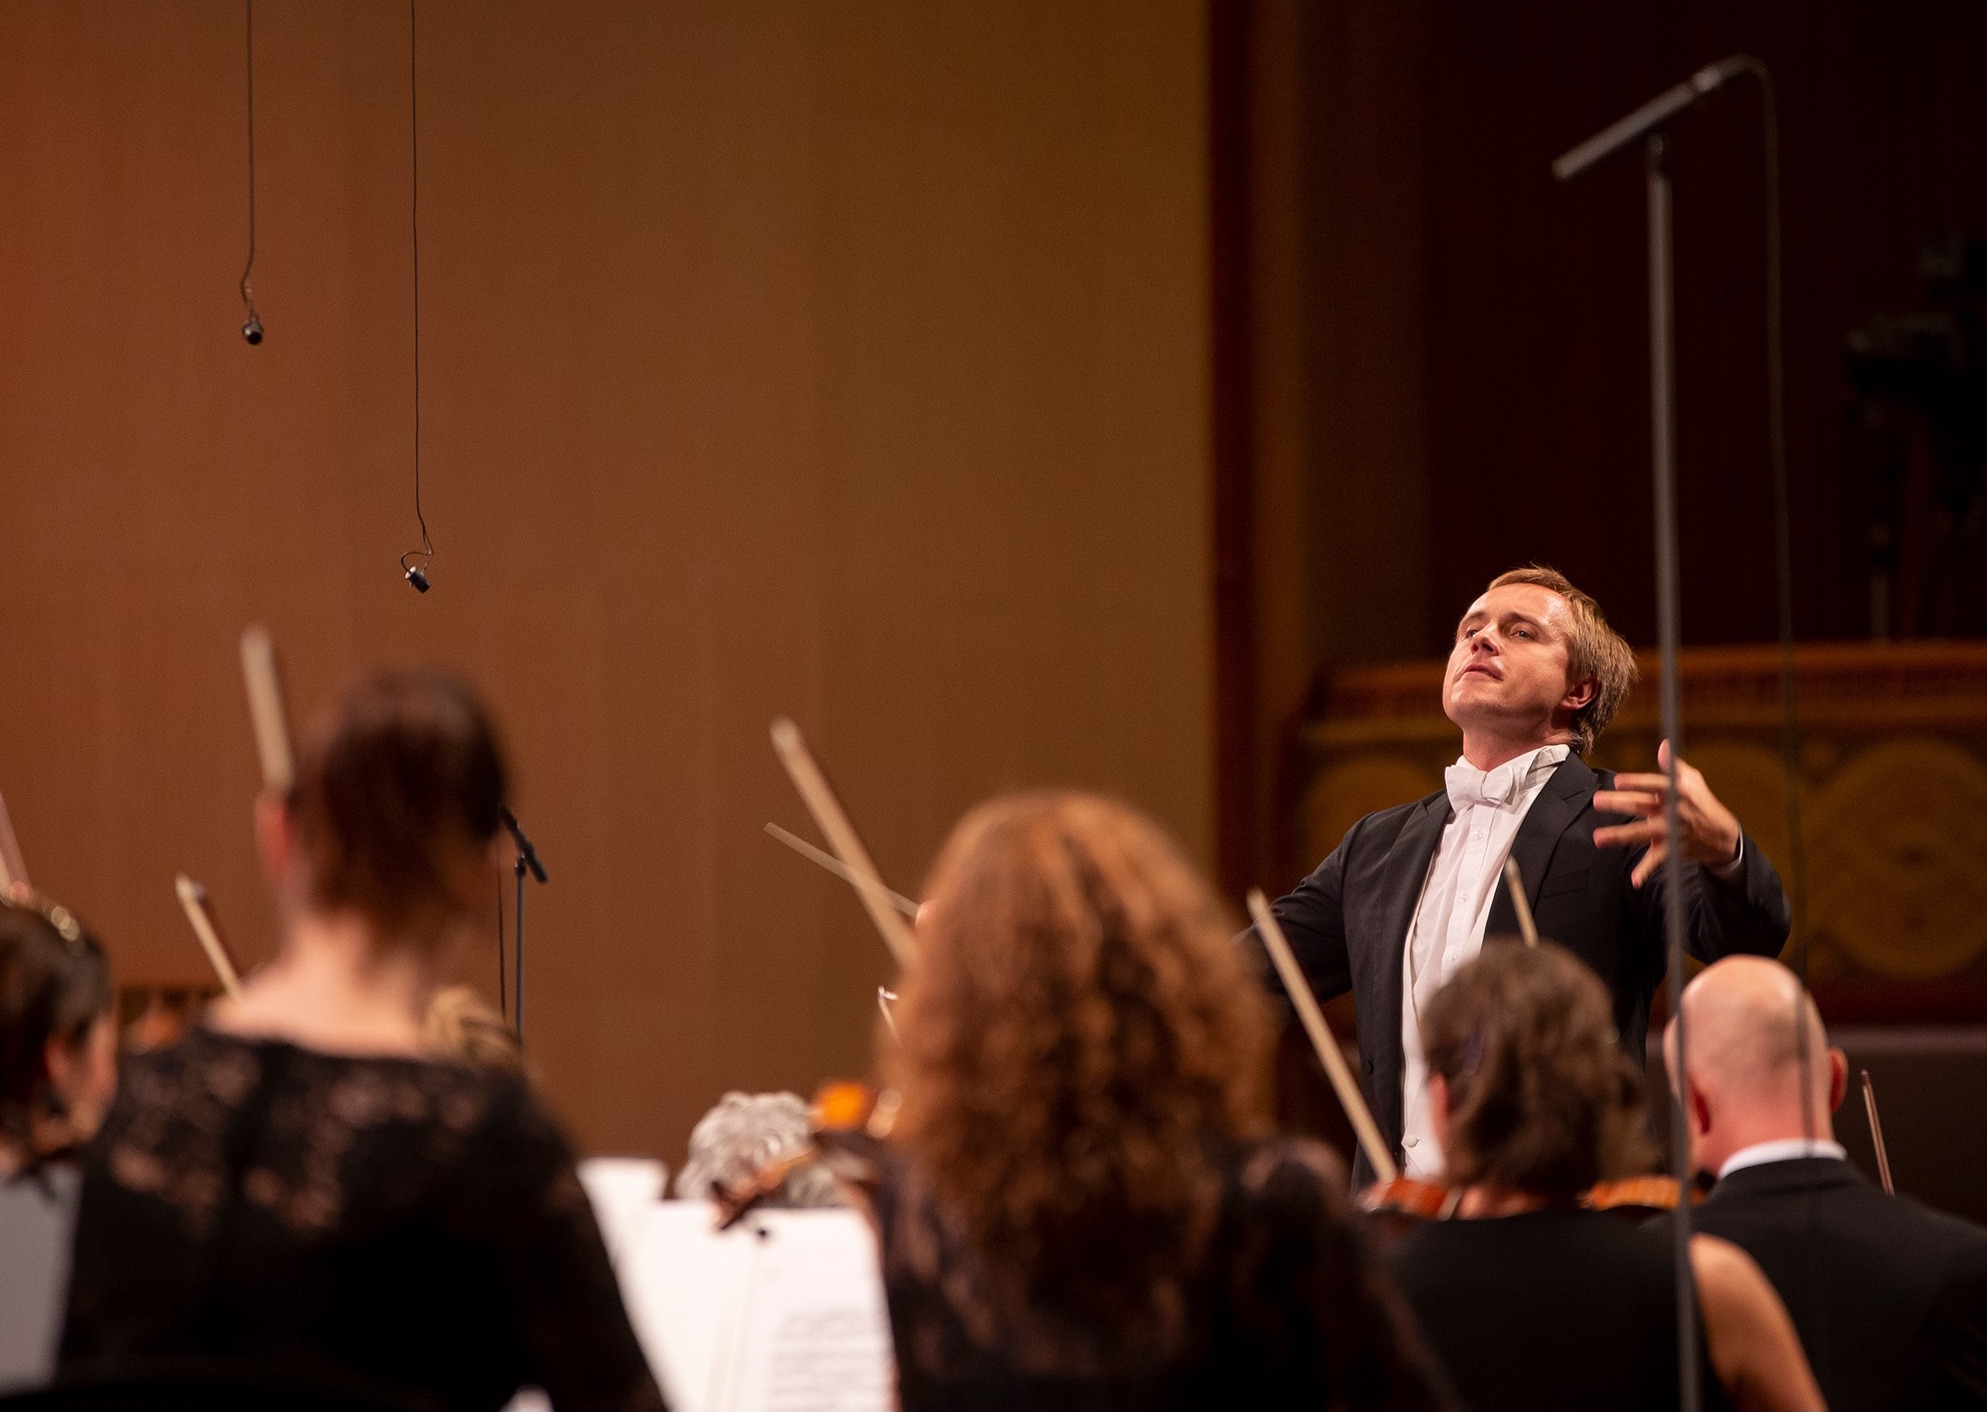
{"x": 841, "y": 870}
{"x": 265, "y": 709}
{"x": 206, "y": 926}
{"x": 1877, "y": 1133}
{"x": 841, "y": 835}
{"x": 1329, "y": 1053}
{"x": 12, "y": 870}
{"x": 1521, "y": 904}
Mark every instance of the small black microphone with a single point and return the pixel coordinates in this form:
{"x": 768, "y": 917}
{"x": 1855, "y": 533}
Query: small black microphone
{"x": 524, "y": 848}
{"x": 252, "y": 330}
{"x": 417, "y": 576}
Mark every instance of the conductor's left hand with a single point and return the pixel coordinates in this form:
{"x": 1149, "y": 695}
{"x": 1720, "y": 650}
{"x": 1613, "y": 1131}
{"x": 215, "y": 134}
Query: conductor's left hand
{"x": 1709, "y": 831}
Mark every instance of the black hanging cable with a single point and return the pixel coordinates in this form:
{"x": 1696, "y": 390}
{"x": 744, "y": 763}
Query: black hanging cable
{"x": 503, "y": 1005}
{"x": 1783, "y": 547}
{"x": 416, "y": 574}
{"x": 1790, "y": 740}
{"x": 252, "y": 329}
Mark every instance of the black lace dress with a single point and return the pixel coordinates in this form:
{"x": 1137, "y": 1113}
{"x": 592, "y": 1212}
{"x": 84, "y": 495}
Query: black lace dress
{"x": 1288, "y": 1309}
{"x": 389, "y": 1229}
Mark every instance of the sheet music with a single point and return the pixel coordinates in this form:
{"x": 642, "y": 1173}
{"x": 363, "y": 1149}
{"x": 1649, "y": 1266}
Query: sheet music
{"x": 782, "y": 1313}
{"x": 621, "y": 1190}
{"x": 816, "y": 1337}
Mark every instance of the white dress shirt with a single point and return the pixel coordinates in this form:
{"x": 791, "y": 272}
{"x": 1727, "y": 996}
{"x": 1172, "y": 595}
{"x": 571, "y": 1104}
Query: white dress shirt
{"x": 1447, "y": 930}
{"x": 1784, "y": 1149}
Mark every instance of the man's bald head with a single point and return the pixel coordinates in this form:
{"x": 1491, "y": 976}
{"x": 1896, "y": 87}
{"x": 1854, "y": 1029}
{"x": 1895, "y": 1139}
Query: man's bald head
{"x": 1746, "y": 1057}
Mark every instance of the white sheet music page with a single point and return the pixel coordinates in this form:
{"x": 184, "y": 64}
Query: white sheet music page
{"x": 816, "y": 1337}
{"x": 782, "y": 1313}
{"x": 621, "y": 1191}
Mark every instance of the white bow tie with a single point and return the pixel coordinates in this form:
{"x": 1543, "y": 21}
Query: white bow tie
{"x": 1468, "y": 785}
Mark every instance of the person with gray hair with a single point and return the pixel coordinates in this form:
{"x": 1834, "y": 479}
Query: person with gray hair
{"x": 1889, "y": 1297}
{"x": 745, "y": 1132}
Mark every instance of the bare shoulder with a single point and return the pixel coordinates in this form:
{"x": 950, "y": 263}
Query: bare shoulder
{"x": 1754, "y": 1349}
{"x": 1726, "y": 1276}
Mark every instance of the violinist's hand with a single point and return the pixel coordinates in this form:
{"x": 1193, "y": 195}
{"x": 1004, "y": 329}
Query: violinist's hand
{"x": 1709, "y": 831}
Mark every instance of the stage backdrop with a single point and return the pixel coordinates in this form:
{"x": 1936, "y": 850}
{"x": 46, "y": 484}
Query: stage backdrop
{"x": 845, "y": 361}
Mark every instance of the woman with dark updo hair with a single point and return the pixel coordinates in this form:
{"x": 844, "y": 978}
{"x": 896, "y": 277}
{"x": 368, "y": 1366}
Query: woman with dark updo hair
{"x": 58, "y": 1073}
{"x": 302, "y": 1196}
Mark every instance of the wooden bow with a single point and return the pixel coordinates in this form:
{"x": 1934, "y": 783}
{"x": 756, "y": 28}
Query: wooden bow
{"x": 841, "y": 835}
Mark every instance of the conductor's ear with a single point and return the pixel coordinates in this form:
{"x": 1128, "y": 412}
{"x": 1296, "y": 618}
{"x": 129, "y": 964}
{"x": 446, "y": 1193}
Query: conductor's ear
{"x": 1838, "y": 1078}
{"x": 1580, "y": 693}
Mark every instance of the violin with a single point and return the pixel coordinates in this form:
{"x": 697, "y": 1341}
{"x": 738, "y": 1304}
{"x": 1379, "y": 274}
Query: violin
{"x": 1400, "y": 1201}
{"x": 847, "y": 1123}
{"x": 1638, "y": 1196}
{"x": 1404, "y": 1201}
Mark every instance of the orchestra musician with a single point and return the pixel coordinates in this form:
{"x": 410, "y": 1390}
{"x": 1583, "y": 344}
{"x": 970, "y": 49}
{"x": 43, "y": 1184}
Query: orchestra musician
{"x": 1529, "y": 1300}
{"x": 1890, "y": 1297}
{"x": 1079, "y": 1205}
{"x": 742, "y": 1135}
{"x": 1409, "y": 895}
{"x": 300, "y": 1196}
{"x": 58, "y": 1074}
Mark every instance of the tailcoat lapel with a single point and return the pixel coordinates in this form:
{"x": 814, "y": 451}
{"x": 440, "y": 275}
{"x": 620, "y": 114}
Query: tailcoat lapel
{"x": 1565, "y": 798}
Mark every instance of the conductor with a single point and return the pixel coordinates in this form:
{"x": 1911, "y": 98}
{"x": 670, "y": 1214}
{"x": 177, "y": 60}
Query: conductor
{"x": 1409, "y": 895}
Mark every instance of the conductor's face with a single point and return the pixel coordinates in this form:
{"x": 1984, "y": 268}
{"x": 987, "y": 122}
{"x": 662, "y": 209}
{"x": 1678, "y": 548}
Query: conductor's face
{"x": 1508, "y": 669}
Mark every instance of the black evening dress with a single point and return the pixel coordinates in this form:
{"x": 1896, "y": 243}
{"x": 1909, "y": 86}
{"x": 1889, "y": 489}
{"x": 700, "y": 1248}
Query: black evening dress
{"x": 386, "y": 1230}
{"x": 1288, "y": 1308}
{"x": 1554, "y": 1308}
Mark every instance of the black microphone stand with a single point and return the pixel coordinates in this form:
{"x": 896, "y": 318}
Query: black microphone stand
{"x": 1648, "y": 122}
{"x": 527, "y": 859}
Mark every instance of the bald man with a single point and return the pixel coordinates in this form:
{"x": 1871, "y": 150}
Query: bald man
{"x": 1890, "y": 1297}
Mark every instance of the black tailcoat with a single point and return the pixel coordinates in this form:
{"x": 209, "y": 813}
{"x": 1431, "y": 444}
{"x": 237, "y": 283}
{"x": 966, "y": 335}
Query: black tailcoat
{"x": 1890, "y": 1297}
{"x": 1347, "y": 922}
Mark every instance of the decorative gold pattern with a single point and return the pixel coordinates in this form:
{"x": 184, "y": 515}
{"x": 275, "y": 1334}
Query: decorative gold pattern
{"x": 1897, "y": 842}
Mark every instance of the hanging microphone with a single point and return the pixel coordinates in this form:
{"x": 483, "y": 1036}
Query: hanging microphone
{"x": 1653, "y": 114}
{"x": 252, "y": 330}
{"x": 524, "y": 849}
{"x": 416, "y": 575}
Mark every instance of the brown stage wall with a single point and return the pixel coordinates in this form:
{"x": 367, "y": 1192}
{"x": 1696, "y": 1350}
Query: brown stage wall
{"x": 842, "y": 360}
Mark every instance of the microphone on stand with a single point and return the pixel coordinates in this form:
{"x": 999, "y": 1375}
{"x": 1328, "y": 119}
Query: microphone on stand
{"x": 1647, "y": 122}
{"x": 524, "y": 849}
{"x": 527, "y": 858}
{"x": 1651, "y": 115}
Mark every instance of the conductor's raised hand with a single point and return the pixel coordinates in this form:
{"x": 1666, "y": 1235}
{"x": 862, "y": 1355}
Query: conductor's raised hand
{"x": 1709, "y": 831}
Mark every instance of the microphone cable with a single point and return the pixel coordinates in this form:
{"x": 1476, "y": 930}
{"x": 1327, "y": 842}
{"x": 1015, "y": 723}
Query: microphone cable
{"x": 251, "y": 330}
{"x": 416, "y": 574}
{"x": 503, "y": 1002}
{"x": 1790, "y": 738}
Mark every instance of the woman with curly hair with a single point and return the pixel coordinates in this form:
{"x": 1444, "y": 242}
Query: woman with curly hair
{"x": 1082, "y": 1208}
{"x": 1529, "y": 1300}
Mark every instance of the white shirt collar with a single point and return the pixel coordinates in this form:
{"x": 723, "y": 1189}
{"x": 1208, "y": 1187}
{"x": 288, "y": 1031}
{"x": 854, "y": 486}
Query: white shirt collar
{"x": 1784, "y": 1149}
{"x": 1505, "y": 786}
